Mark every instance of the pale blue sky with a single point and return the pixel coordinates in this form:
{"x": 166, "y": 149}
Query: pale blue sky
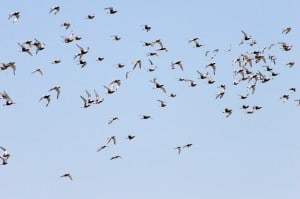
{"x": 240, "y": 157}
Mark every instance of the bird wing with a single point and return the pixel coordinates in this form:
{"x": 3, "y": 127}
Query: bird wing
{"x": 84, "y": 100}
{"x": 163, "y": 89}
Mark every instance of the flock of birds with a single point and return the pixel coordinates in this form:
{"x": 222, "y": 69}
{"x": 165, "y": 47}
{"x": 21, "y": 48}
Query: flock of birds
{"x": 252, "y": 68}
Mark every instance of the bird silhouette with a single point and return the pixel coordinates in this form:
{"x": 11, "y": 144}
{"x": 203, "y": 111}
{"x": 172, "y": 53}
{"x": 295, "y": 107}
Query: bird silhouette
{"x": 47, "y": 98}
{"x": 66, "y": 175}
{"x": 15, "y": 15}
{"x": 6, "y": 97}
{"x": 57, "y": 89}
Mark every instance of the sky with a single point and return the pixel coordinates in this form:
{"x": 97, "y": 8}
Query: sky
{"x": 241, "y": 156}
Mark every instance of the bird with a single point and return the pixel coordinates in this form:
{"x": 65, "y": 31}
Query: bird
{"x": 109, "y": 89}
{"x": 244, "y": 96}
{"x": 157, "y": 41}
{"x": 285, "y": 46}
{"x": 11, "y": 65}
{"x": 172, "y": 95}
{"x": 179, "y": 63}
{"x": 187, "y": 145}
{"x": 111, "y": 10}
{"x": 158, "y": 85}
{"x": 293, "y": 90}
{"x": 90, "y": 16}
{"x": 82, "y": 62}
{"x": 202, "y": 75}
{"x": 162, "y": 103}
{"x": 178, "y": 148}
{"x": 246, "y": 37}
{"x": 227, "y": 111}
{"x": 86, "y": 104}
{"x": 97, "y": 100}
{"x": 196, "y": 42}
{"x": 38, "y": 70}
{"x": 113, "y": 139}
{"x": 137, "y": 63}
{"x": 39, "y": 45}
{"x": 15, "y": 15}
{"x": 286, "y": 30}
{"x": 116, "y": 37}
{"x": 298, "y": 101}
{"x": 54, "y": 9}
{"x": 152, "y": 54}
{"x": 45, "y": 97}
{"x": 6, "y": 97}
{"x": 110, "y": 121}
{"x": 82, "y": 52}
{"x": 130, "y": 137}
{"x": 210, "y": 80}
{"x": 256, "y": 107}
{"x": 25, "y": 49}
{"x": 56, "y": 61}
{"x": 5, "y": 154}
{"x": 57, "y": 89}
{"x": 89, "y": 97}
{"x": 192, "y": 82}
{"x": 115, "y": 157}
{"x": 213, "y": 66}
{"x": 290, "y": 64}
{"x": 66, "y": 175}
{"x": 146, "y": 27}
{"x": 66, "y": 25}
{"x": 100, "y": 59}
{"x": 220, "y": 94}
{"x": 284, "y": 97}
{"x": 145, "y": 117}
{"x": 68, "y": 39}
{"x": 120, "y": 65}
{"x": 245, "y": 106}
{"x": 101, "y": 148}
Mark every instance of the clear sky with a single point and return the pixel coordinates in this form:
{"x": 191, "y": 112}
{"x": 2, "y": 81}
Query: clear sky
{"x": 243, "y": 156}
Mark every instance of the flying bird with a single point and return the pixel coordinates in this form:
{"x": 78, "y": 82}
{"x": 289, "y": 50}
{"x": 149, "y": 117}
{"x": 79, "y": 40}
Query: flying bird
{"x": 115, "y": 157}
{"x": 66, "y": 175}
{"x": 66, "y": 25}
{"x": 179, "y": 63}
{"x": 8, "y": 100}
{"x": 227, "y": 111}
{"x": 145, "y": 117}
{"x": 57, "y": 89}
{"x": 25, "y": 49}
{"x": 286, "y": 30}
{"x": 5, "y": 154}
{"x": 47, "y": 98}
{"x": 54, "y": 9}
{"x": 85, "y": 102}
{"x": 130, "y": 137}
{"x": 38, "y": 70}
{"x": 158, "y": 85}
{"x": 90, "y": 16}
{"x": 113, "y": 139}
{"x": 111, "y": 10}
{"x": 178, "y": 148}
{"x": 110, "y": 121}
{"x": 187, "y": 145}
{"x": 101, "y": 148}
{"x": 11, "y": 65}
{"x": 15, "y": 15}
{"x": 162, "y": 103}
{"x": 97, "y": 100}
{"x": 146, "y": 27}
